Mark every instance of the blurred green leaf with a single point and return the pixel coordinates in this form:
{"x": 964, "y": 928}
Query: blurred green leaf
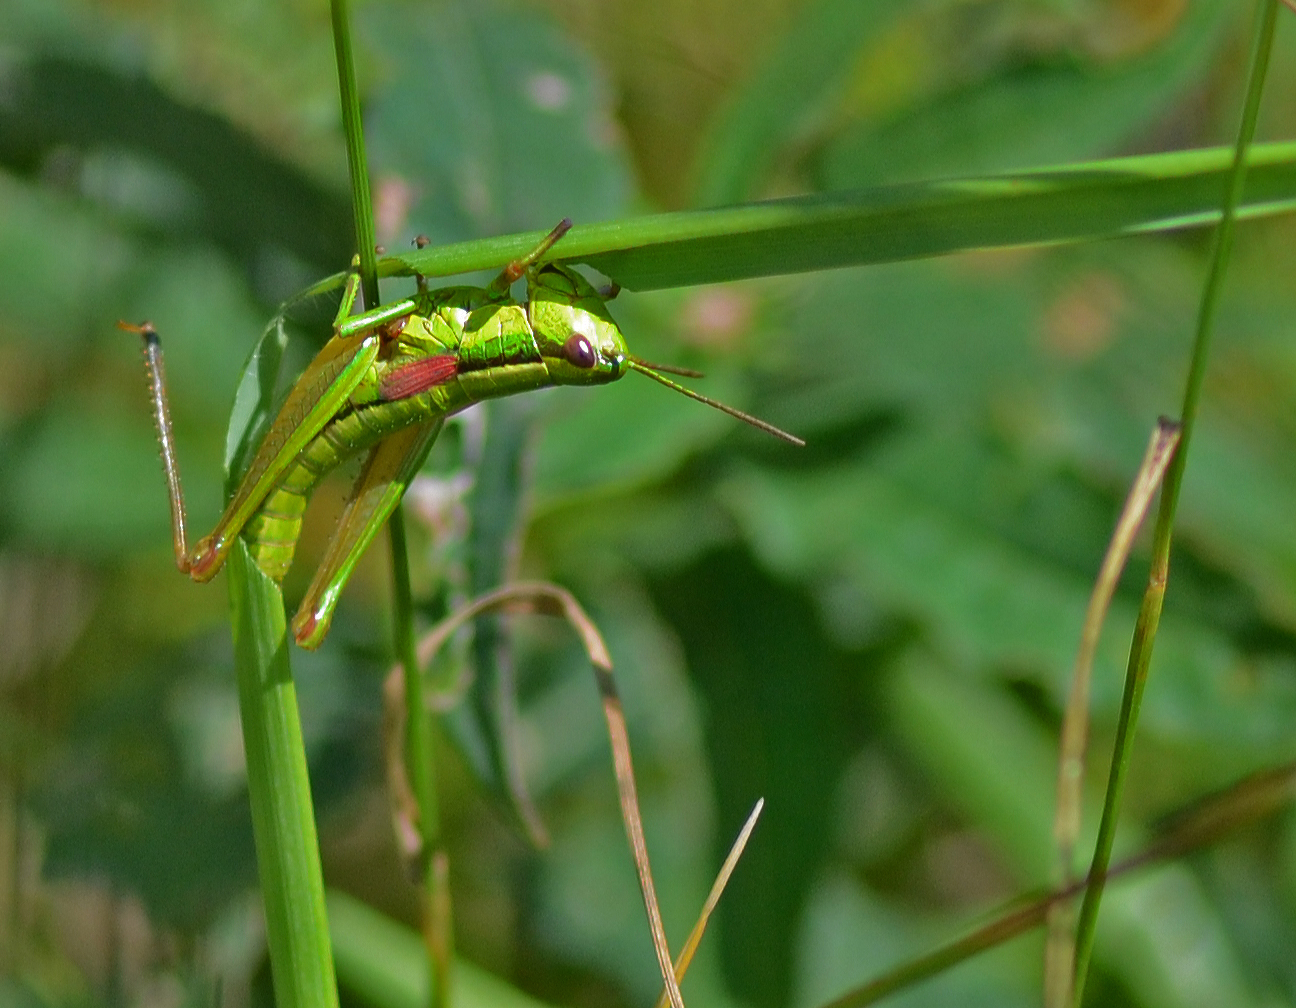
{"x": 74, "y": 482}
{"x": 778, "y": 726}
{"x": 61, "y": 265}
{"x": 508, "y": 127}
{"x": 849, "y": 935}
{"x": 786, "y": 90}
{"x": 386, "y": 963}
{"x": 998, "y": 767}
{"x": 89, "y": 124}
{"x": 1031, "y": 115}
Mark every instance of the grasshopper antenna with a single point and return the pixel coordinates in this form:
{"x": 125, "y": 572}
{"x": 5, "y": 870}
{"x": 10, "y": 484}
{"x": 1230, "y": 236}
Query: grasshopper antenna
{"x": 768, "y": 428}
{"x": 668, "y": 368}
{"x": 166, "y": 435}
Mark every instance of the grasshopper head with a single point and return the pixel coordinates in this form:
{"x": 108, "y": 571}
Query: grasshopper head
{"x": 579, "y": 341}
{"x": 581, "y": 345}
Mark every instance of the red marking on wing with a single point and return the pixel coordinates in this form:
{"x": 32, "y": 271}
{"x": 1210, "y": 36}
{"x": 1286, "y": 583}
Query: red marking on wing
{"x": 419, "y": 376}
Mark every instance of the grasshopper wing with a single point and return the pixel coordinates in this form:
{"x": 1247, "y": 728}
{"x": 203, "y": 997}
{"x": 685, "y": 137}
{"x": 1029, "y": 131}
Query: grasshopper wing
{"x": 387, "y": 472}
{"x": 316, "y": 397}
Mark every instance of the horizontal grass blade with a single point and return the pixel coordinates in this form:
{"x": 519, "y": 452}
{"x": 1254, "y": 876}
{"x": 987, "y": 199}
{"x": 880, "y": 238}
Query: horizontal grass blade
{"x": 1069, "y": 203}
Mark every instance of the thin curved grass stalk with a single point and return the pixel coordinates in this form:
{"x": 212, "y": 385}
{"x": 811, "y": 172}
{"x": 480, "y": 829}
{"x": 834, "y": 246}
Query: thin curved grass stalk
{"x": 548, "y": 599}
{"x": 1150, "y": 612}
{"x": 1201, "y": 824}
{"x": 1059, "y": 950}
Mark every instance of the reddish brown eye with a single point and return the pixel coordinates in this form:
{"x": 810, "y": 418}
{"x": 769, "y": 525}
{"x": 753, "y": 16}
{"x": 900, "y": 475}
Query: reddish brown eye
{"x": 579, "y": 351}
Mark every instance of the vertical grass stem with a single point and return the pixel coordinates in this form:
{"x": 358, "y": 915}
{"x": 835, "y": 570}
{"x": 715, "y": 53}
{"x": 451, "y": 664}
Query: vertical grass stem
{"x": 353, "y": 131}
{"x": 283, "y": 817}
{"x": 1150, "y": 611}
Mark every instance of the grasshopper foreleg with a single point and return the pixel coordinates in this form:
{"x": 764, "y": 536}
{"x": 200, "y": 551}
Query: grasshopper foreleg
{"x": 166, "y": 436}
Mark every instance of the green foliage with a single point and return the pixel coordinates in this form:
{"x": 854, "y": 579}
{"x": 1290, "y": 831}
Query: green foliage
{"x": 874, "y": 633}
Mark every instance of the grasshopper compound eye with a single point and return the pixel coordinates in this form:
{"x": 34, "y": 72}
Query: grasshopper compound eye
{"x": 579, "y": 351}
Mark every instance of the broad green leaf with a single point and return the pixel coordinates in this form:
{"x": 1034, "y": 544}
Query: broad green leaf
{"x": 988, "y": 602}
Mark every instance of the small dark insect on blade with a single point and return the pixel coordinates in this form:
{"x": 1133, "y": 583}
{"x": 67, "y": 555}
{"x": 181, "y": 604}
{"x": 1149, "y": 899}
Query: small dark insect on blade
{"x": 768, "y": 428}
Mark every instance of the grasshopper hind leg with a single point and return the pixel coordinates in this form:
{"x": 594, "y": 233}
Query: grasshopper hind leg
{"x": 166, "y": 437}
{"x": 388, "y": 470}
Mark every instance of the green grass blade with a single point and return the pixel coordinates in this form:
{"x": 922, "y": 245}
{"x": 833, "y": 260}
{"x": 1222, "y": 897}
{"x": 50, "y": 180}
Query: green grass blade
{"x": 283, "y": 818}
{"x": 1082, "y": 202}
{"x": 1059, "y": 950}
{"x": 353, "y": 131}
{"x": 1150, "y": 611}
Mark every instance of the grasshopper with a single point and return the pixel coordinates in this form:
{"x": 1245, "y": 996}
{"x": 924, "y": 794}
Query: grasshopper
{"x": 384, "y": 384}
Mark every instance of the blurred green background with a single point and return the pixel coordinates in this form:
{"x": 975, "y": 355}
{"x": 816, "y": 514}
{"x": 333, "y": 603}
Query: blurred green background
{"x": 874, "y": 633}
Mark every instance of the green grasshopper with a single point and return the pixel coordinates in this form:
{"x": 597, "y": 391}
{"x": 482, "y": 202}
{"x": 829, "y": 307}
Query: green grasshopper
{"x": 384, "y": 384}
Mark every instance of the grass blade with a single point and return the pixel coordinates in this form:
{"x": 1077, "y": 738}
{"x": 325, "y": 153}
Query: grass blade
{"x": 1150, "y": 612}
{"x": 685, "y": 959}
{"x": 1068, "y": 203}
{"x": 1059, "y": 951}
{"x": 357, "y": 165}
{"x": 283, "y": 818}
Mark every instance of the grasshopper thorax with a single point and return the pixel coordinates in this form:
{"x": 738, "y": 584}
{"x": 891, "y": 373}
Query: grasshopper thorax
{"x": 576, "y": 336}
